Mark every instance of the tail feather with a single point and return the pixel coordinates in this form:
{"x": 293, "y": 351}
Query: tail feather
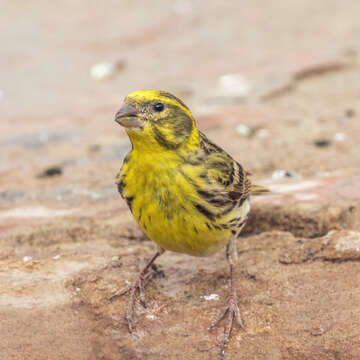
{"x": 258, "y": 190}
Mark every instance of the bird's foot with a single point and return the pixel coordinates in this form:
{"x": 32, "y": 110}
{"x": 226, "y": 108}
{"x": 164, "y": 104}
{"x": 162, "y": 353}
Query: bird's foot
{"x": 231, "y": 312}
{"x": 135, "y": 288}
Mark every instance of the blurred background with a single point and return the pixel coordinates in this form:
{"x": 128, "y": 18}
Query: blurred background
{"x": 276, "y": 83}
{"x": 267, "y": 80}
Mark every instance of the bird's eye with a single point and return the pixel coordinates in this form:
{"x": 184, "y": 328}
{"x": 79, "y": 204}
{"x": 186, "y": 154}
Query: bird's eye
{"x": 158, "y": 107}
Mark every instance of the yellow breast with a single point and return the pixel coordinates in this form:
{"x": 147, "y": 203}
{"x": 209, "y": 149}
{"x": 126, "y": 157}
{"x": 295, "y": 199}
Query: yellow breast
{"x": 162, "y": 201}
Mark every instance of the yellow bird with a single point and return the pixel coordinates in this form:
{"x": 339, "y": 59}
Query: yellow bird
{"x": 186, "y": 193}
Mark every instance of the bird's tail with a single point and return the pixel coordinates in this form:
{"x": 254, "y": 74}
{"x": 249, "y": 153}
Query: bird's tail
{"x": 258, "y": 190}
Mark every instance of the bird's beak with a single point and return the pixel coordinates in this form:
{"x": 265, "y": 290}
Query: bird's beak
{"x": 128, "y": 116}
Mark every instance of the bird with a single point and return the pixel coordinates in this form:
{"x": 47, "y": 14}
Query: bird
{"x": 186, "y": 193}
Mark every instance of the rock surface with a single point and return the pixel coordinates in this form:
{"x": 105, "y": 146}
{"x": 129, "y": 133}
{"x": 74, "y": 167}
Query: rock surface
{"x": 287, "y": 76}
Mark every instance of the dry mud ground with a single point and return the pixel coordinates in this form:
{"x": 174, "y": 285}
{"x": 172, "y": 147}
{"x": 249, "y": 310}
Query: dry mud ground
{"x": 67, "y": 240}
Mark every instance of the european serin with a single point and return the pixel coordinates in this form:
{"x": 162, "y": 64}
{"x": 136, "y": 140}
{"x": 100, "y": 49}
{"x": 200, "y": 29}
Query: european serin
{"x": 186, "y": 193}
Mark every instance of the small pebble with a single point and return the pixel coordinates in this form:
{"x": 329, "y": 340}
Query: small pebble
{"x": 103, "y": 70}
{"x": 233, "y": 85}
{"x": 243, "y": 129}
{"x": 317, "y": 331}
{"x": 27, "y": 258}
{"x": 78, "y": 289}
{"x": 211, "y": 297}
{"x": 322, "y": 143}
{"x": 339, "y": 137}
{"x": 56, "y": 257}
{"x": 284, "y": 174}
{"x": 248, "y": 131}
{"x": 51, "y": 171}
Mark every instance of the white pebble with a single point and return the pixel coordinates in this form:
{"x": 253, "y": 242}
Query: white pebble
{"x": 233, "y": 85}
{"x": 339, "y": 137}
{"x": 284, "y": 174}
{"x": 278, "y": 174}
{"x": 150, "y": 316}
{"x": 27, "y": 258}
{"x": 243, "y": 129}
{"x": 78, "y": 289}
{"x": 102, "y": 70}
{"x": 56, "y": 257}
{"x": 211, "y": 297}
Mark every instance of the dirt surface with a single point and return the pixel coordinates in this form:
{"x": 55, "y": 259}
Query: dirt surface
{"x": 276, "y": 84}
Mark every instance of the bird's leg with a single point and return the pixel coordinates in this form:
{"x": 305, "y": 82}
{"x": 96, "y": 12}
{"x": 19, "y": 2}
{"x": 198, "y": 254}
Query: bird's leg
{"x": 135, "y": 287}
{"x": 231, "y": 310}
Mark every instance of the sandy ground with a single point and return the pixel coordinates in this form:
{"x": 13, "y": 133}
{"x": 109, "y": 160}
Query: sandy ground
{"x": 276, "y": 84}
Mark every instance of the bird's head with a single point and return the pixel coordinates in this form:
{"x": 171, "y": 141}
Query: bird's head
{"x": 154, "y": 118}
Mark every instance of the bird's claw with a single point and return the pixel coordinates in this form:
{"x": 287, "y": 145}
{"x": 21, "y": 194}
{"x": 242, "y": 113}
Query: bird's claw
{"x": 137, "y": 286}
{"x": 232, "y": 312}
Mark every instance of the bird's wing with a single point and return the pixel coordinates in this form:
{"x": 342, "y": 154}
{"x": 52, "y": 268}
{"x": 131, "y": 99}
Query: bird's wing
{"x": 226, "y": 178}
